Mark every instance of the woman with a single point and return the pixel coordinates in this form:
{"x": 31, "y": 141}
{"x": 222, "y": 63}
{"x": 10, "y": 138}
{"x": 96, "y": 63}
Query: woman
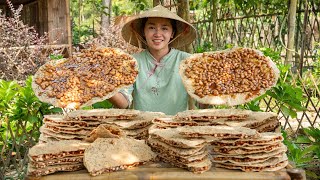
{"x": 158, "y": 86}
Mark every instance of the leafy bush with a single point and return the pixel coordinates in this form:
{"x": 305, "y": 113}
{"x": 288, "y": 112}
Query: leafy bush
{"x": 21, "y": 115}
{"x": 205, "y": 47}
{"x": 288, "y": 96}
{"x": 21, "y": 111}
{"x": 304, "y": 151}
{"x": 82, "y": 34}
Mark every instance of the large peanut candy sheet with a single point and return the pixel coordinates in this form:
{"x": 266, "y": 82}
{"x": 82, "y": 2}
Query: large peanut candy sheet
{"x": 229, "y": 77}
{"x": 87, "y": 77}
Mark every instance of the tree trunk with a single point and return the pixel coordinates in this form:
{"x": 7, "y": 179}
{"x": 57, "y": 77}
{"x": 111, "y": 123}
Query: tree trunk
{"x": 303, "y": 38}
{"x": 291, "y": 30}
{"x": 106, "y": 15}
{"x": 156, "y": 2}
{"x": 80, "y": 15}
{"x": 184, "y": 12}
{"x": 214, "y": 24}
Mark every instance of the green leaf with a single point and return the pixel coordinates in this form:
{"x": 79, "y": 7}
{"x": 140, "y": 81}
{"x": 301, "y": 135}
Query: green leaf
{"x": 87, "y": 108}
{"x": 313, "y": 132}
{"x": 298, "y": 92}
{"x": 284, "y": 134}
{"x": 56, "y": 110}
{"x": 103, "y": 104}
{"x": 272, "y": 94}
{"x": 317, "y": 152}
{"x": 296, "y": 105}
{"x": 55, "y": 56}
{"x": 289, "y": 91}
{"x": 285, "y": 110}
{"x": 309, "y": 149}
{"x": 303, "y": 161}
{"x": 292, "y": 113}
{"x": 312, "y": 174}
{"x": 279, "y": 91}
{"x": 32, "y": 119}
{"x": 303, "y": 139}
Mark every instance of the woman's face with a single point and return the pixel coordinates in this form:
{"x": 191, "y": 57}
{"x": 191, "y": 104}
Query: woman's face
{"x": 158, "y": 32}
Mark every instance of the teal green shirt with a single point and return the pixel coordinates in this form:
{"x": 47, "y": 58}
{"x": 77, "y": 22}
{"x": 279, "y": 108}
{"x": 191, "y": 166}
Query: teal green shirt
{"x": 162, "y": 91}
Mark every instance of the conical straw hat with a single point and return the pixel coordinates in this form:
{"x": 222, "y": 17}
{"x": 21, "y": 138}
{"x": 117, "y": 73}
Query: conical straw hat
{"x": 133, "y": 28}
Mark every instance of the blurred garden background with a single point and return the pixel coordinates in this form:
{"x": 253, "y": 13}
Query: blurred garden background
{"x": 32, "y": 32}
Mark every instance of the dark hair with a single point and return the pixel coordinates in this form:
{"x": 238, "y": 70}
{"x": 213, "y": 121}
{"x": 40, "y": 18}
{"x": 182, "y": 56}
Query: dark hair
{"x": 172, "y": 22}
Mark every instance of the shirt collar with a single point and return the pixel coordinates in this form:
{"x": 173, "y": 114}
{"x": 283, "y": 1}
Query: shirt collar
{"x": 164, "y": 58}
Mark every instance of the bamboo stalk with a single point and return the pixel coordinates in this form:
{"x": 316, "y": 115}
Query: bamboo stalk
{"x": 305, "y": 21}
{"x": 214, "y": 24}
{"x": 291, "y": 30}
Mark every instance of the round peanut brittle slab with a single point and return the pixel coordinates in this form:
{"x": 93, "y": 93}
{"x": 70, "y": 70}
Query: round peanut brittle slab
{"x": 87, "y": 77}
{"x": 228, "y": 77}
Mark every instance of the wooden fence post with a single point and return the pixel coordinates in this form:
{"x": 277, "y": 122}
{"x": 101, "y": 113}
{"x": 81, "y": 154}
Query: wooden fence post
{"x": 291, "y": 30}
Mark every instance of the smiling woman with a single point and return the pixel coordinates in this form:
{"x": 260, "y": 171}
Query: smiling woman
{"x": 157, "y": 33}
{"x": 158, "y": 86}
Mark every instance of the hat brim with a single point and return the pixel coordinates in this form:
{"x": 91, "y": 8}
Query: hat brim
{"x": 185, "y": 31}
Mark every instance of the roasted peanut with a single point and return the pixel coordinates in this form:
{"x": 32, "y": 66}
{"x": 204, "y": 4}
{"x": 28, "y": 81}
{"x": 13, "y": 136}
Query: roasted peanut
{"x": 243, "y": 70}
{"x": 87, "y": 74}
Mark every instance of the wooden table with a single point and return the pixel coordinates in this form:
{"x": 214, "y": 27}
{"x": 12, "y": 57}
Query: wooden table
{"x": 167, "y": 172}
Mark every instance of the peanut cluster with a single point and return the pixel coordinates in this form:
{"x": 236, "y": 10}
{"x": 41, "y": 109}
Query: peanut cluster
{"x": 87, "y": 74}
{"x": 227, "y": 73}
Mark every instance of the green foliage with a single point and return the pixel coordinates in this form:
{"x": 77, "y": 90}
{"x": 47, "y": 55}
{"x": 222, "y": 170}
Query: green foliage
{"x": 103, "y": 105}
{"x": 205, "y": 47}
{"x": 316, "y": 64}
{"x": 55, "y": 56}
{"x": 140, "y": 5}
{"x": 7, "y": 93}
{"x": 19, "y": 105}
{"x": 82, "y": 34}
{"x": 274, "y": 55}
{"x": 84, "y": 16}
{"x": 121, "y": 7}
{"x": 86, "y": 11}
{"x": 99, "y": 105}
{"x": 252, "y": 6}
{"x": 199, "y": 4}
{"x": 253, "y": 105}
{"x": 299, "y": 155}
{"x": 304, "y": 151}
{"x": 289, "y": 98}
{"x": 228, "y": 46}
{"x": 98, "y": 7}
{"x": 311, "y": 136}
